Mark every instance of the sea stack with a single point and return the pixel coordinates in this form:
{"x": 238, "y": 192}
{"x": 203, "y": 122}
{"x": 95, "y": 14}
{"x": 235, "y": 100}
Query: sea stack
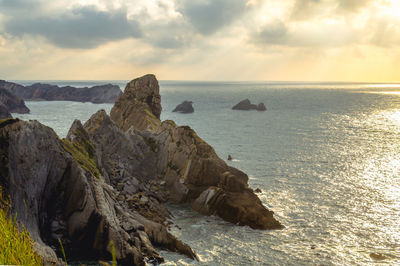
{"x": 190, "y": 167}
{"x": 247, "y": 105}
{"x": 185, "y": 107}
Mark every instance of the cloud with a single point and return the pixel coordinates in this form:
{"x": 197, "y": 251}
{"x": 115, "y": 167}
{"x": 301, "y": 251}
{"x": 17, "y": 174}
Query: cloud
{"x": 81, "y": 27}
{"x": 274, "y": 32}
{"x": 324, "y": 34}
{"x": 352, "y": 5}
{"x": 208, "y": 16}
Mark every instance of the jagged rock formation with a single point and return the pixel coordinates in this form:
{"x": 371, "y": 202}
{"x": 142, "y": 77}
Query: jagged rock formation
{"x": 4, "y": 113}
{"x": 107, "y": 93}
{"x": 139, "y": 105}
{"x": 185, "y": 107}
{"x": 247, "y": 105}
{"x": 105, "y": 184}
{"x": 58, "y": 192}
{"x": 190, "y": 167}
{"x": 13, "y": 103}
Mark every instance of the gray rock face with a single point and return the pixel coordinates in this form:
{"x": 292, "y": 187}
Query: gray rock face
{"x": 13, "y": 103}
{"x": 4, "y": 113}
{"x": 247, "y": 105}
{"x": 57, "y": 190}
{"x": 188, "y": 164}
{"x": 107, "y": 93}
{"x": 185, "y": 107}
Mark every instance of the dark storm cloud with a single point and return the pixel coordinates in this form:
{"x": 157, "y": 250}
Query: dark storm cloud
{"x": 84, "y": 27}
{"x": 208, "y": 16}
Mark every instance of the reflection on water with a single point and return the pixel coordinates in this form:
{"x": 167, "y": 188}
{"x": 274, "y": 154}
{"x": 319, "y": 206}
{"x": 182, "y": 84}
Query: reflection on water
{"x": 327, "y": 161}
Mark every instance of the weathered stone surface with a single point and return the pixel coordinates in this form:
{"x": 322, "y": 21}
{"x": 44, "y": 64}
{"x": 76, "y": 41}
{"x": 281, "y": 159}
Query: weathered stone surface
{"x": 139, "y": 105}
{"x": 247, "y": 105}
{"x": 13, "y": 103}
{"x": 57, "y": 194}
{"x": 4, "y": 113}
{"x": 188, "y": 164}
{"x": 185, "y": 107}
{"x": 107, "y": 93}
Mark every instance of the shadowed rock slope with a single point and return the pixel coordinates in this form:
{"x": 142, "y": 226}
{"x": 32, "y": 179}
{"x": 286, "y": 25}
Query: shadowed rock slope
{"x": 58, "y": 191}
{"x": 12, "y": 103}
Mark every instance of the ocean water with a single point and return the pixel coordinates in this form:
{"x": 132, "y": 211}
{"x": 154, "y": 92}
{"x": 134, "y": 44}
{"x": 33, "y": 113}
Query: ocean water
{"x": 325, "y": 155}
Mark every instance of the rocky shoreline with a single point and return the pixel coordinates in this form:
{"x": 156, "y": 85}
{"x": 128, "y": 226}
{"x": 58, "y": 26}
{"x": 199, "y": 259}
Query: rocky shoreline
{"x": 108, "y": 180}
{"x": 107, "y": 93}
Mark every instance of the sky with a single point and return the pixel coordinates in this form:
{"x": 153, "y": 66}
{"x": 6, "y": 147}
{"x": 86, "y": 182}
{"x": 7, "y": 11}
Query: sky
{"x": 229, "y": 40}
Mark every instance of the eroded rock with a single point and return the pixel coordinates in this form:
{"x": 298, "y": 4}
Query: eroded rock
{"x": 185, "y": 107}
{"x": 247, "y": 105}
{"x": 187, "y": 163}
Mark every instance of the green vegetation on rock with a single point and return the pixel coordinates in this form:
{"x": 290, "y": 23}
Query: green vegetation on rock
{"x": 83, "y": 153}
{"x": 15, "y": 244}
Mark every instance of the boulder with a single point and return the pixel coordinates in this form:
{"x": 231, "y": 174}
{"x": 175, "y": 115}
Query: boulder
{"x": 4, "y": 113}
{"x": 106, "y": 93}
{"x": 185, "y": 107}
{"x": 247, "y": 105}
{"x": 188, "y": 165}
{"x": 13, "y": 103}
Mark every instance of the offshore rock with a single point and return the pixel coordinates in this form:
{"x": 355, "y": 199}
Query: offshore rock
{"x": 4, "y": 113}
{"x": 13, "y": 103}
{"x": 107, "y": 93}
{"x": 185, "y": 107}
{"x": 247, "y": 105}
{"x": 58, "y": 191}
{"x": 189, "y": 166}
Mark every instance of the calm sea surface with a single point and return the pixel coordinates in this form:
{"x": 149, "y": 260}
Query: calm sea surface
{"x": 326, "y": 156}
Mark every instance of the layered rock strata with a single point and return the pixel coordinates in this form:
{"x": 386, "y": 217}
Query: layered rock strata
{"x": 102, "y": 189}
{"x": 190, "y": 167}
{"x": 58, "y": 192}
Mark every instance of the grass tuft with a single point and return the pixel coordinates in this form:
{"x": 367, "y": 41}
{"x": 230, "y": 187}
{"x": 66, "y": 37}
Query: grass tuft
{"x": 16, "y": 247}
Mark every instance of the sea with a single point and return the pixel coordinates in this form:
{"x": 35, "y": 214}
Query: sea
{"x": 325, "y": 155}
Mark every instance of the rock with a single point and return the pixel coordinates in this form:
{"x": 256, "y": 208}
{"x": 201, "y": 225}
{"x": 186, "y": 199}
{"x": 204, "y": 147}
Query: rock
{"x": 189, "y": 166}
{"x": 4, "y": 113}
{"x": 257, "y": 190}
{"x": 185, "y": 107}
{"x": 377, "y": 256}
{"x": 247, "y": 105}
{"x": 139, "y": 105}
{"x": 107, "y": 93}
{"x": 58, "y": 191}
{"x": 229, "y": 157}
{"x": 13, "y": 103}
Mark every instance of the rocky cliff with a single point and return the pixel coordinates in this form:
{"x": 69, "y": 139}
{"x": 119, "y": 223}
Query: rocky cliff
{"x": 190, "y": 167}
{"x": 58, "y": 191}
{"x": 104, "y": 186}
{"x": 12, "y": 103}
{"x": 107, "y": 93}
